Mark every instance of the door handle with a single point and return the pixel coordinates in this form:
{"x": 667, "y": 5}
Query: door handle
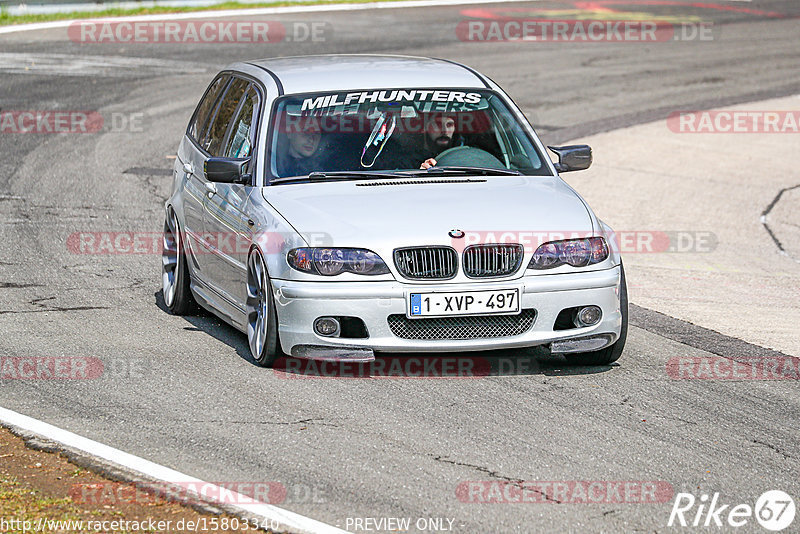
{"x": 211, "y": 189}
{"x": 188, "y": 169}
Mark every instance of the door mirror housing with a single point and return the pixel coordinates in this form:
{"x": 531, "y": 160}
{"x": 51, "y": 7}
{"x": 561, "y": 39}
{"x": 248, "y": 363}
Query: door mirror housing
{"x": 227, "y": 170}
{"x": 573, "y": 157}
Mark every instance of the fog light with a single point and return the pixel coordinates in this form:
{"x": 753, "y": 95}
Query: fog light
{"x": 327, "y": 326}
{"x": 588, "y": 316}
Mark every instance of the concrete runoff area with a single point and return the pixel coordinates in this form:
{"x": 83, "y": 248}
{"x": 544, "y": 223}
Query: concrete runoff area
{"x": 732, "y": 268}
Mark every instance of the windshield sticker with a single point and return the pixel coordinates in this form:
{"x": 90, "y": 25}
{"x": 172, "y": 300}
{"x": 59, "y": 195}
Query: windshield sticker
{"x": 451, "y": 99}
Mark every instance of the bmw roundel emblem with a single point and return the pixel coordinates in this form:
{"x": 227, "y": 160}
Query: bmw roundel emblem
{"x": 456, "y": 234}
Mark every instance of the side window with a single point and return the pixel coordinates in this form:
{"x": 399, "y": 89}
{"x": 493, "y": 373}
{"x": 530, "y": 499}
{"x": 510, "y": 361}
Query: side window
{"x": 241, "y": 135}
{"x": 222, "y": 116}
{"x": 201, "y": 114}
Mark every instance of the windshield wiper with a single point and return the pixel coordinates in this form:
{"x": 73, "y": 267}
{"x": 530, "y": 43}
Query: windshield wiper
{"x": 483, "y": 171}
{"x": 331, "y": 176}
{"x": 336, "y": 175}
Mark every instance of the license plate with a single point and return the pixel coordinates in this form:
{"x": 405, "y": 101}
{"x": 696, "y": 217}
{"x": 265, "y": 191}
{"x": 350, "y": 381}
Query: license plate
{"x": 445, "y": 304}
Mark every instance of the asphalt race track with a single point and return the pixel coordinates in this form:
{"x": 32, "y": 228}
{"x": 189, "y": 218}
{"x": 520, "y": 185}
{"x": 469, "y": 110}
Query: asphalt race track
{"x": 184, "y": 392}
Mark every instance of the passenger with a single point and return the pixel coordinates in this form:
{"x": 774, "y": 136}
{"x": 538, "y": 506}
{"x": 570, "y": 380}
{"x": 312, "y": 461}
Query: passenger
{"x": 301, "y": 153}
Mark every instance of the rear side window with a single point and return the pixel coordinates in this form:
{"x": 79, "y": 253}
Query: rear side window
{"x": 222, "y": 116}
{"x": 242, "y": 132}
{"x": 200, "y": 119}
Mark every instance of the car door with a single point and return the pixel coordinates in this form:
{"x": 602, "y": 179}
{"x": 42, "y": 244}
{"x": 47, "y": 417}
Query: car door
{"x": 190, "y": 163}
{"x": 224, "y": 221}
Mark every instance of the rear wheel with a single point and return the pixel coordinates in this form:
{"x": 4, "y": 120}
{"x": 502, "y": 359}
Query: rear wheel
{"x": 262, "y": 320}
{"x": 174, "y": 270}
{"x": 611, "y": 353}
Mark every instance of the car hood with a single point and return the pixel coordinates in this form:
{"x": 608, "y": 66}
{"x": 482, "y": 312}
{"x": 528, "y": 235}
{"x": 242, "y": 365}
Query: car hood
{"x": 385, "y": 214}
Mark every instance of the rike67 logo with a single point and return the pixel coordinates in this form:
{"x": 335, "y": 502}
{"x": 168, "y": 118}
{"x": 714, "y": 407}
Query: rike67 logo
{"x": 774, "y": 510}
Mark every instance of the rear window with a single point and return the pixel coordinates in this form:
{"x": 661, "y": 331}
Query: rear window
{"x": 222, "y": 116}
{"x": 199, "y": 121}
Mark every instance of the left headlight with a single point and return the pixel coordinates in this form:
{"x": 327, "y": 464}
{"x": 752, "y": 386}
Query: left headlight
{"x": 575, "y": 252}
{"x": 333, "y": 261}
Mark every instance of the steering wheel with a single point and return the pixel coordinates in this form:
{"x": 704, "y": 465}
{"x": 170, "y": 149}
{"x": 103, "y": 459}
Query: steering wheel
{"x": 467, "y": 156}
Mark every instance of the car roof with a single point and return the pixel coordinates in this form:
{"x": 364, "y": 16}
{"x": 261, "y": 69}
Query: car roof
{"x": 342, "y": 72}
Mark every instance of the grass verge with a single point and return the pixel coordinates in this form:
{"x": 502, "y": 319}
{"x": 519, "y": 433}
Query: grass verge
{"x": 44, "y": 492}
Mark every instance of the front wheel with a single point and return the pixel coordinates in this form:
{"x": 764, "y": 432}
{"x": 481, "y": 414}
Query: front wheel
{"x": 611, "y": 353}
{"x": 174, "y": 271}
{"x": 262, "y": 320}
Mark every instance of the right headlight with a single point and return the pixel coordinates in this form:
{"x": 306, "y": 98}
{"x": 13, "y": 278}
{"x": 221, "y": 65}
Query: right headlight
{"x": 333, "y": 261}
{"x": 575, "y": 252}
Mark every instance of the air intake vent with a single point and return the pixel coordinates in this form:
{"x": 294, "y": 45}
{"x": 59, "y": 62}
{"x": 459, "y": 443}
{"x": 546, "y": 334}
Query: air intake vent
{"x": 426, "y": 263}
{"x": 477, "y": 327}
{"x": 492, "y": 261}
{"x": 417, "y": 182}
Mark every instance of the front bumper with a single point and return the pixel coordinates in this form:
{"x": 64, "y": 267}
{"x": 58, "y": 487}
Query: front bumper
{"x": 300, "y": 303}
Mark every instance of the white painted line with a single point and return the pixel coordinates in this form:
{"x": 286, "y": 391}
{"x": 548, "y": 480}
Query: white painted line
{"x": 288, "y": 520}
{"x": 255, "y": 12}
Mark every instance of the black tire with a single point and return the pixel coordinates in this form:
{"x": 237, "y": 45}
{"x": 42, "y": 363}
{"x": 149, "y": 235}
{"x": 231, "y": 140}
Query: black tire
{"x": 613, "y": 352}
{"x": 175, "y": 277}
{"x": 262, "y": 319}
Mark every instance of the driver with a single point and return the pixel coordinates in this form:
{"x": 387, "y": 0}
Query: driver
{"x": 440, "y": 135}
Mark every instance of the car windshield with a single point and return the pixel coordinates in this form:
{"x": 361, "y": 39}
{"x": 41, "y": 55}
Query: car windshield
{"x": 393, "y": 131}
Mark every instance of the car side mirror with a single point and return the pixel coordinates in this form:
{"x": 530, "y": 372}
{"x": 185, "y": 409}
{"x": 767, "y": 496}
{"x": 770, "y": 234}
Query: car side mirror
{"x": 573, "y": 157}
{"x": 226, "y": 170}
